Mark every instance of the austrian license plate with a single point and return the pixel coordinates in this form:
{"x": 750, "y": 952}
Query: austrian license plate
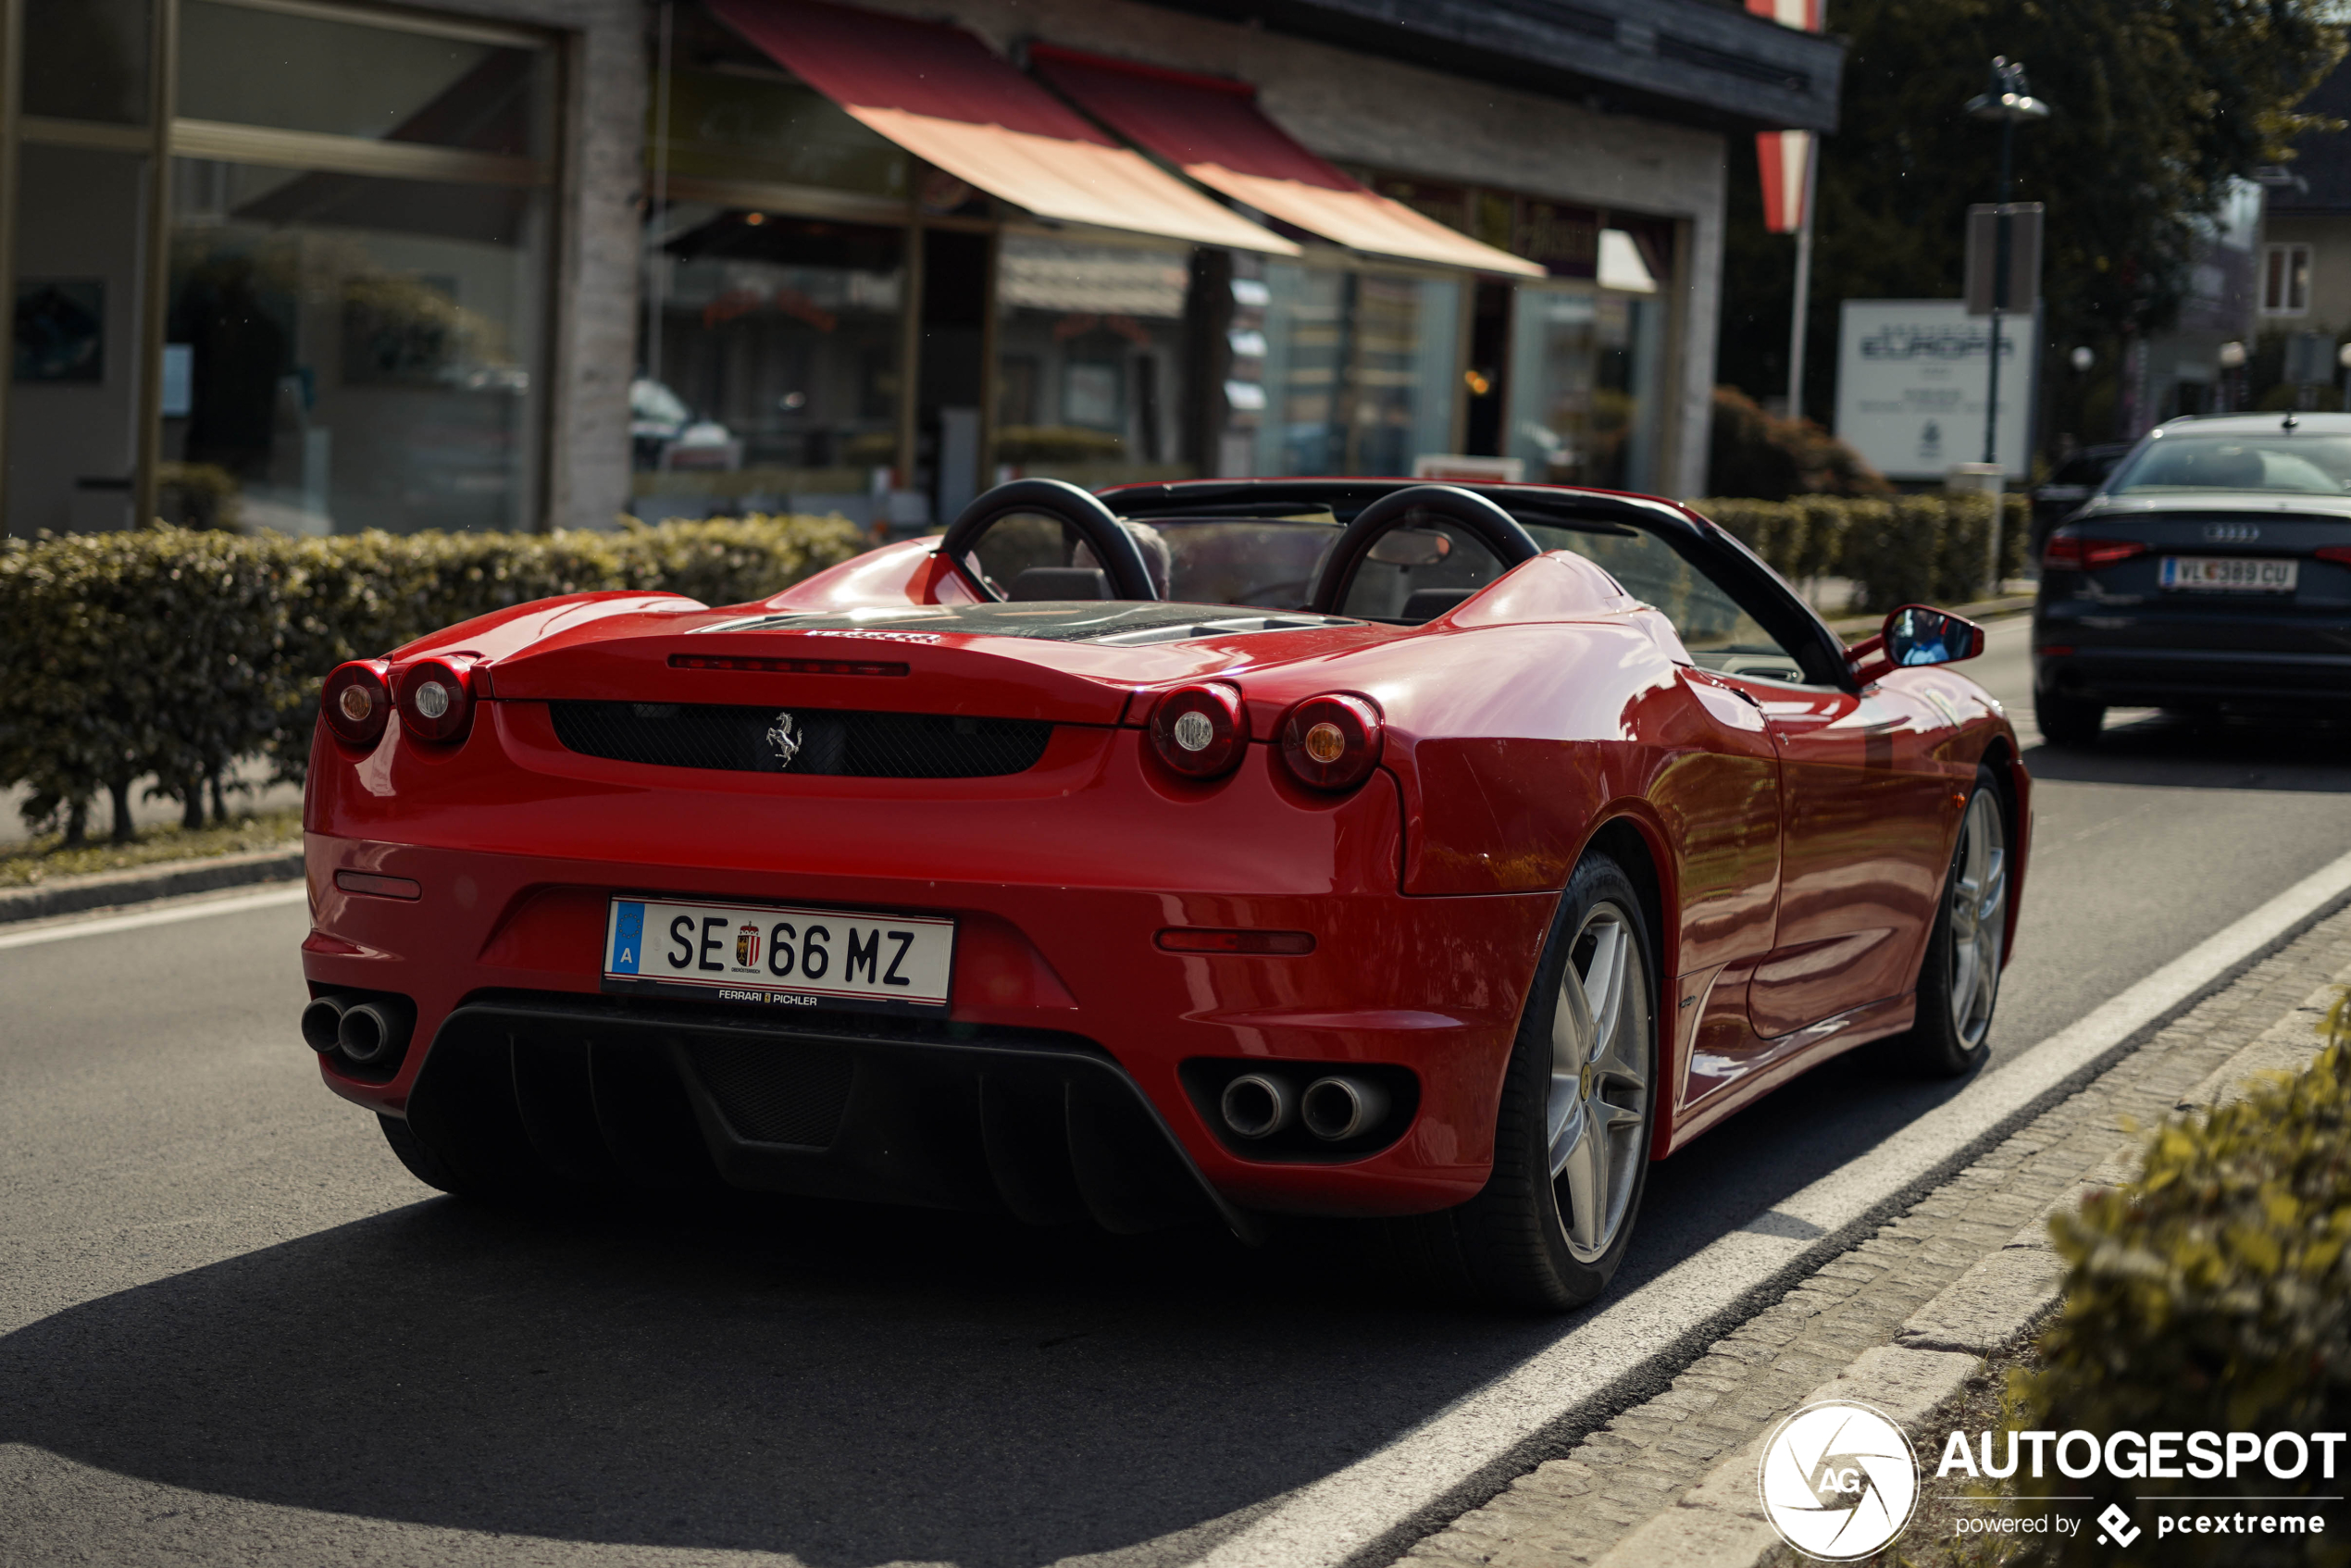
{"x": 774, "y": 955}
{"x": 2228, "y": 574}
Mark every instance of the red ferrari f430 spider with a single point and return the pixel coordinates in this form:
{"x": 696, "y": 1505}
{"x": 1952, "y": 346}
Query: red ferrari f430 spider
{"x": 1221, "y": 849}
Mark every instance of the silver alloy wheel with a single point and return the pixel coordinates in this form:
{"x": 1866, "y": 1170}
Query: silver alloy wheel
{"x": 1599, "y": 1110}
{"x": 1979, "y": 918}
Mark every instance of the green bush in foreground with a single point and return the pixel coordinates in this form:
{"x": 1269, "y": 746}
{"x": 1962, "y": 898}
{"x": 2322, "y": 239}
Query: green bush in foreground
{"x": 2213, "y": 1295}
{"x": 173, "y": 651}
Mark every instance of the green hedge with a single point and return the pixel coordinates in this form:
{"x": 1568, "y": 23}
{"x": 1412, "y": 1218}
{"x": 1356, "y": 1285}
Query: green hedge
{"x": 172, "y": 652}
{"x": 1902, "y": 550}
{"x": 2214, "y": 1295}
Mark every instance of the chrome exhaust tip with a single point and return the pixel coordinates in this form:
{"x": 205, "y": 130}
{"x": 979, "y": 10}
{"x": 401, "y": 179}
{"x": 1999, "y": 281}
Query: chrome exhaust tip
{"x": 375, "y": 1031}
{"x": 322, "y": 1024}
{"x": 1258, "y": 1105}
{"x": 1338, "y": 1108}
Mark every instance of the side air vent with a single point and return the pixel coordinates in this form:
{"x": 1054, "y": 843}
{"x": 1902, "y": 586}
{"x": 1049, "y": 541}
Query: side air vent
{"x": 818, "y": 740}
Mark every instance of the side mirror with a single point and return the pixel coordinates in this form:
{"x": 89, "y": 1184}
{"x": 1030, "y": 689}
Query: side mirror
{"x": 1912, "y": 636}
{"x": 1916, "y": 635}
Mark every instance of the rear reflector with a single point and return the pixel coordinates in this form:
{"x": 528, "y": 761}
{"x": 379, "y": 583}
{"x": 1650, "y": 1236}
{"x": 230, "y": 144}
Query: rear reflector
{"x": 375, "y": 885}
{"x": 2054, "y": 649}
{"x": 2339, "y": 554}
{"x": 784, "y": 666}
{"x": 1195, "y": 939}
{"x": 2088, "y": 554}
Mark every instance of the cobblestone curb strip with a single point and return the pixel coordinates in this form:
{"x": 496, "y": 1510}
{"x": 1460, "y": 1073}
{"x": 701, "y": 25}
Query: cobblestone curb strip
{"x": 1903, "y": 1320}
{"x": 138, "y": 884}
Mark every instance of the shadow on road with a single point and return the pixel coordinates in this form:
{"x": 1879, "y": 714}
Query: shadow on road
{"x": 2231, "y": 754}
{"x": 852, "y": 1386}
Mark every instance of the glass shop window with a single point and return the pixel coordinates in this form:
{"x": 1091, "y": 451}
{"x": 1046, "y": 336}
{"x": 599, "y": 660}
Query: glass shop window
{"x": 253, "y": 67}
{"x": 771, "y": 373}
{"x": 1357, "y": 370}
{"x": 1586, "y": 378}
{"x": 1089, "y": 361}
{"x": 354, "y": 340}
{"x": 87, "y": 59}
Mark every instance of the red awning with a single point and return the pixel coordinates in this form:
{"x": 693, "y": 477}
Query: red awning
{"x": 941, "y": 94}
{"x": 1213, "y": 129}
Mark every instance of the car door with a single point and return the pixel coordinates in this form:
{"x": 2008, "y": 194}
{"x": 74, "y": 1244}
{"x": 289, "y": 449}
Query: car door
{"x": 1865, "y": 831}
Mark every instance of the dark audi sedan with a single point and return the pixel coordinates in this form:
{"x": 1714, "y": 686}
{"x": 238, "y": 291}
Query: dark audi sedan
{"x": 2211, "y": 572}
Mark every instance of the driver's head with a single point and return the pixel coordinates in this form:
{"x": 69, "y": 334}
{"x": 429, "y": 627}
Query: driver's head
{"x": 1158, "y": 560}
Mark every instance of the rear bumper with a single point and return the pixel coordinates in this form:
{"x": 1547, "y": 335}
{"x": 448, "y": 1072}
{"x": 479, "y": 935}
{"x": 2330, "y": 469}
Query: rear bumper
{"x": 2126, "y": 659}
{"x": 1058, "y": 897}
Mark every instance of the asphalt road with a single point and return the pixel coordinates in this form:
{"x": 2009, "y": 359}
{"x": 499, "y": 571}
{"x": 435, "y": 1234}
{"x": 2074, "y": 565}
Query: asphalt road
{"x": 232, "y": 1329}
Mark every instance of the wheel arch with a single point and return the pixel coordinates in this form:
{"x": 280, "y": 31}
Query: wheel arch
{"x": 2001, "y": 757}
{"x": 1637, "y": 844}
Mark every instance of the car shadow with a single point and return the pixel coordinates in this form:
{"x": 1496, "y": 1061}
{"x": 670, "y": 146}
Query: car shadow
{"x": 2211, "y": 754}
{"x": 850, "y": 1385}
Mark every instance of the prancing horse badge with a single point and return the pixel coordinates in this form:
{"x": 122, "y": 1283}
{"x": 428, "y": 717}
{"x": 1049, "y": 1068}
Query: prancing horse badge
{"x": 784, "y": 736}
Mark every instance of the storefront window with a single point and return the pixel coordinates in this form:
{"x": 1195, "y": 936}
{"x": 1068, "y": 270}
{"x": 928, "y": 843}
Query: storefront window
{"x": 1358, "y": 369}
{"x": 1585, "y": 373}
{"x": 354, "y": 339}
{"x": 1089, "y": 370}
{"x": 289, "y": 72}
{"x": 348, "y": 353}
{"x": 773, "y": 383}
{"x": 87, "y": 59}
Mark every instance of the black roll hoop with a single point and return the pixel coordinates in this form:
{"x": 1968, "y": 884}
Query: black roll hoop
{"x": 1121, "y": 557}
{"x": 1496, "y": 528}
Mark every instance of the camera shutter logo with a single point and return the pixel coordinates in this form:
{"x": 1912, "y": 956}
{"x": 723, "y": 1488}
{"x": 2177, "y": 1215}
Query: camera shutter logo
{"x": 1838, "y": 1480}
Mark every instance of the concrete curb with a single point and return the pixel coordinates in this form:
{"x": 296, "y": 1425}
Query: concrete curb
{"x": 137, "y": 884}
{"x": 1719, "y": 1522}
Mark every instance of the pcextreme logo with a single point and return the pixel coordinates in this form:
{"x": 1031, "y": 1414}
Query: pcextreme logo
{"x": 1838, "y": 1480}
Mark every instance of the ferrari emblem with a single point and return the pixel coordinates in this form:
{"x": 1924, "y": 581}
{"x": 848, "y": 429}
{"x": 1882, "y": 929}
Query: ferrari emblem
{"x": 784, "y": 736}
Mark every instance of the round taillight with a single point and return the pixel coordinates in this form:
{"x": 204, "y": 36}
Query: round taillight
{"x": 356, "y": 702}
{"x": 436, "y": 699}
{"x": 1200, "y": 731}
{"x": 1333, "y": 742}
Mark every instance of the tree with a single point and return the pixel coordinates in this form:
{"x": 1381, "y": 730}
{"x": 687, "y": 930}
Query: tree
{"x": 2157, "y": 107}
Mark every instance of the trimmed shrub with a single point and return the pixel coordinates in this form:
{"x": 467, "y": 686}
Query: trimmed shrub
{"x": 2213, "y": 1294}
{"x": 1897, "y": 550}
{"x": 173, "y": 651}
{"x": 1750, "y": 452}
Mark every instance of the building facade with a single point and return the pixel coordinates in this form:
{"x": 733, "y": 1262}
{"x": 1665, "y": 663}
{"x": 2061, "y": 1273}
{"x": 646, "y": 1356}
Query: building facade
{"x": 497, "y": 264}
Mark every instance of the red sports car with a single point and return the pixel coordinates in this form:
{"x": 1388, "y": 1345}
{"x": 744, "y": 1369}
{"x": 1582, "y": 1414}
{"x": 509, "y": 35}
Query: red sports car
{"x": 1231, "y": 848}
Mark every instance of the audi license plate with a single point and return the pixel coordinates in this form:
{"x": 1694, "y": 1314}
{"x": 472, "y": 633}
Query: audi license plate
{"x": 2228, "y": 574}
{"x": 772, "y": 956}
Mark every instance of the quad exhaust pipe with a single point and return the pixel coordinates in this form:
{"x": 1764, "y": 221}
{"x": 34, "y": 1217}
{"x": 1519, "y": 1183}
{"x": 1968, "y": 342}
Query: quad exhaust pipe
{"x": 1335, "y": 1108}
{"x": 366, "y": 1030}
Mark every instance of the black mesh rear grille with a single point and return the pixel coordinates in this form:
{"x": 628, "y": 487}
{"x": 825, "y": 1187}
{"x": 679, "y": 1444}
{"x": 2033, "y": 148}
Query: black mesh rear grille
{"x": 776, "y": 1093}
{"x": 817, "y": 741}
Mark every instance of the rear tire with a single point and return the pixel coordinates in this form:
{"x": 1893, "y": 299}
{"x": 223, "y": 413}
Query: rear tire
{"x": 2067, "y": 721}
{"x": 1959, "y": 977}
{"x": 1572, "y": 1138}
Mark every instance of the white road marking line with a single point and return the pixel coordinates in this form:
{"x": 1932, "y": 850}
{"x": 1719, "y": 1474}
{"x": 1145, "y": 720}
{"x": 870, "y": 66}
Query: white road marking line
{"x": 193, "y": 911}
{"x": 1329, "y": 1521}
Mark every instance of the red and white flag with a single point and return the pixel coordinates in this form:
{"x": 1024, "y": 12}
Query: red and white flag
{"x": 1784, "y": 157}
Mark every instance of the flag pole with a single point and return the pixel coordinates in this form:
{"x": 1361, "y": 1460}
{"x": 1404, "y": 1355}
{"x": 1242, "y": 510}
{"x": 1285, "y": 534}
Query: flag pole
{"x": 1803, "y": 279}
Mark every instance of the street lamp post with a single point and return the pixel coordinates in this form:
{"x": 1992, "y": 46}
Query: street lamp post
{"x": 2009, "y": 101}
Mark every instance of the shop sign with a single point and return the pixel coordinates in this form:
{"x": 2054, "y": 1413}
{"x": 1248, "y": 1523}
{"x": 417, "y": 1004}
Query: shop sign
{"x": 1911, "y": 386}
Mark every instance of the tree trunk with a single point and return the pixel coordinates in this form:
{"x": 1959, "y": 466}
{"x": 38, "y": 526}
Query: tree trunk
{"x": 219, "y": 804}
{"x": 77, "y": 823}
{"x": 191, "y": 804}
{"x": 119, "y": 790}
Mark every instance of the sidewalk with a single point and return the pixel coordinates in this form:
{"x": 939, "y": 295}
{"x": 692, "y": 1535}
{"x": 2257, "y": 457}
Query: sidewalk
{"x": 1902, "y": 1321}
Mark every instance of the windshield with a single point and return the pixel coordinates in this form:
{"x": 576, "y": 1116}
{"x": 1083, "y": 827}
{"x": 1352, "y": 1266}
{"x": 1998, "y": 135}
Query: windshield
{"x": 2296, "y": 465}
